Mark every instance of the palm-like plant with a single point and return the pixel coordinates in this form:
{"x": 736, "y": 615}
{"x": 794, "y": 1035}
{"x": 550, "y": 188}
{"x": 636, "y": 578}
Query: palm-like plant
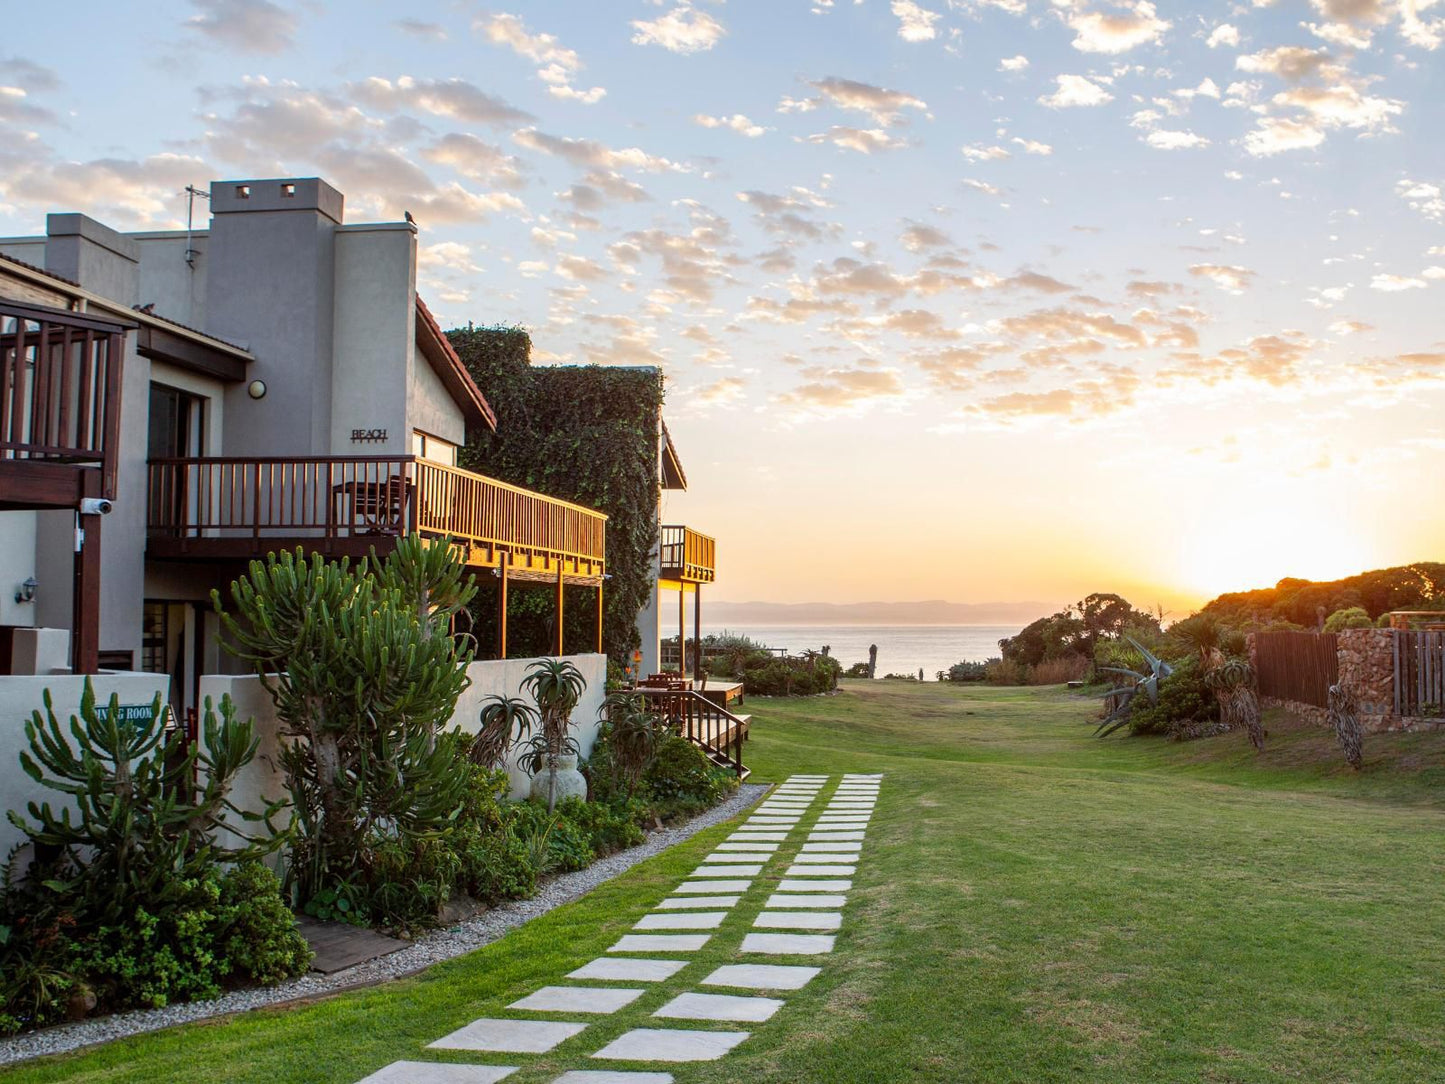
{"x": 1123, "y": 697}
{"x": 503, "y": 721}
{"x": 1231, "y": 679}
{"x": 633, "y": 732}
{"x": 556, "y": 685}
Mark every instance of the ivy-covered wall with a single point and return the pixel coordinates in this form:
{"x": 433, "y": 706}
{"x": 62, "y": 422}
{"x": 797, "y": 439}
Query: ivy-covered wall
{"x": 587, "y": 434}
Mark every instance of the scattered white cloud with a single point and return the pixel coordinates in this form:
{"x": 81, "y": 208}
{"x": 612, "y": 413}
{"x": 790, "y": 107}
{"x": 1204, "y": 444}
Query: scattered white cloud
{"x": 252, "y": 26}
{"x": 1223, "y": 34}
{"x": 737, "y": 123}
{"x": 1173, "y": 140}
{"x": 1231, "y": 279}
{"x": 915, "y": 23}
{"x": 683, "y": 30}
{"x": 1392, "y": 284}
{"x": 1116, "y": 31}
{"x": 1075, "y": 90}
{"x": 1013, "y": 63}
{"x": 557, "y": 66}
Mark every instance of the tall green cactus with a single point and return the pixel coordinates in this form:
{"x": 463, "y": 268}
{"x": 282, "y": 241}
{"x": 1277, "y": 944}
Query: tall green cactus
{"x": 146, "y": 809}
{"x": 364, "y": 672}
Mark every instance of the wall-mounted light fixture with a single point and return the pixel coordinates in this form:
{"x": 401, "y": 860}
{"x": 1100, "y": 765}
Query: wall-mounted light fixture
{"x": 256, "y": 389}
{"x": 27, "y": 590}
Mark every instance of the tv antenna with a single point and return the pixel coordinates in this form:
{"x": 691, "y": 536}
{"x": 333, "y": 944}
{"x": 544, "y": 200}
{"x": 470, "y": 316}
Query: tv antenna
{"x": 191, "y": 193}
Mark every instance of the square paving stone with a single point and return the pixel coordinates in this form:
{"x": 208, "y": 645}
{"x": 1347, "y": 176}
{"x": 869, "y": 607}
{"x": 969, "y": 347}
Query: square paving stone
{"x": 798, "y": 920}
{"x": 660, "y": 942}
{"x": 788, "y": 944}
{"x": 625, "y": 970}
{"x": 748, "y": 845}
{"x": 745, "y": 835}
{"x": 606, "y": 1076}
{"x": 821, "y": 871}
{"x": 762, "y": 976}
{"x": 728, "y": 858}
{"x": 726, "y": 870}
{"x": 703, "y": 888}
{"x": 833, "y": 837}
{"x": 697, "y": 920}
{"x": 744, "y": 1010}
{"x": 821, "y": 901}
{"x": 667, "y": 1044}
{"x": 788, "y": 885}
{"x": 832, "y": 848}
{"x": 592, "y": 999}
{"x": 684, "y": 903}
{"x": 438, "y": 1072}
{"x": 512, "y": 1036}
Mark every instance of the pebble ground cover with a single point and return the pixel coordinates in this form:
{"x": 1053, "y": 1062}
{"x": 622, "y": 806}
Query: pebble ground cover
{"x": 1026, "y": 904}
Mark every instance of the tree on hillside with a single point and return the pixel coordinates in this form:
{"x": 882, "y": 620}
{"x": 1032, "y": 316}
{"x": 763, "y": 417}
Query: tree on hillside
{"x": 1076, "y": 630}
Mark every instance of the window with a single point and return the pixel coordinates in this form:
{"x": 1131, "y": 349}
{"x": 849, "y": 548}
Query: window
{"x": 288, "y": 190}
{"x": 426, "y": 446}
{"x": 243, "y": 191}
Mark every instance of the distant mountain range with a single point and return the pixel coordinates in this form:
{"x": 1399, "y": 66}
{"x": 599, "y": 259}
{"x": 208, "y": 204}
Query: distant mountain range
{"x": 933, "y": 612}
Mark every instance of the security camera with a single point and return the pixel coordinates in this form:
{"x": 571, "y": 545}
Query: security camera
{"x": 95, "y": 506}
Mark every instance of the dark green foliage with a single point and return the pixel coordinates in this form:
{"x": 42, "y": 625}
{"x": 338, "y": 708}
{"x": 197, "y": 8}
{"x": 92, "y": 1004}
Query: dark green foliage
{"x": 857, "y": 670}
{"x": 1186, "y": 707}
{"x": 965, "y": 671}
{"x": 1419, "y": 586}
{"x": 364, "y": 672}
{"x": 128, "y": 906}
{"x": 587, "y": 434}
{"x": 681, "y": 779}
{"x": 627, "y": 739}
{"x": 1076, "y": 630}
{"x": 556, "y": 686}
{"x": 1351, "y": 617}
{"x": 772, "y": 675}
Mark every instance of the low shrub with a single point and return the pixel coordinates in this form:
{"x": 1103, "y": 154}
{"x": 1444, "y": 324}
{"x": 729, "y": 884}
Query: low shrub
{"x": 1005, "y": 672}
{"x": 1352, "y": 617}
{"x": 1058, "y": 670}
{"x": 966, "y": 671}
{"x": 681, "y": 781}
{"x": 857, "y": 670}
{"x": 772, "y": 675}
{"x": 1186, "y": 707}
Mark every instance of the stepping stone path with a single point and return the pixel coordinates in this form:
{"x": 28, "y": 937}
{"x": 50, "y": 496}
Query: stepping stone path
{"x": 800, "y": 919}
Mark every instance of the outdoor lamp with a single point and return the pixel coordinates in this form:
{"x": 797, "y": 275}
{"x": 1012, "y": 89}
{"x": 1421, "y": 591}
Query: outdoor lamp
{"x": 256, "y": 389}
{"x": 27, "y": 590}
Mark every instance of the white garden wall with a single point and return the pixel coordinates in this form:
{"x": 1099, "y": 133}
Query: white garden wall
{"x": 19, "y": 697}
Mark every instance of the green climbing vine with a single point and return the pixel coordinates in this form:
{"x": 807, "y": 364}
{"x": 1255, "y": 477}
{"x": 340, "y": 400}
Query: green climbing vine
{"x": 587, "y": 434}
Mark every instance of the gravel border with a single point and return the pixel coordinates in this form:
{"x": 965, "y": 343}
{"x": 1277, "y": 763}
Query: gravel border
{"x": 431, "y": 948}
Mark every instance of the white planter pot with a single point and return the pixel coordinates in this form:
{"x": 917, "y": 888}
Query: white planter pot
{"x": 569, "y": 782}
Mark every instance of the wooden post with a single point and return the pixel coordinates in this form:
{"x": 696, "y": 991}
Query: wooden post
{"x": 681, "y": 631}
{"x": 559, "y": 608}
{"x": 502, "y": 610}
{"x": 697, "y": 629}
{"x": 599, "y": 617}
{"x": 85, "y": 609}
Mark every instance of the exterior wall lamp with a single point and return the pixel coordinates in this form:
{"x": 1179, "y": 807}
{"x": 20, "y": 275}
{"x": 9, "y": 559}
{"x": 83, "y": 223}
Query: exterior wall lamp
{"x": 256, "y": 389}
{"x": 27, "y": 590}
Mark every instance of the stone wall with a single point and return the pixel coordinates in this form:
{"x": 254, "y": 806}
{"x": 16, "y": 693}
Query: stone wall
{"x": 1367, "y": 666}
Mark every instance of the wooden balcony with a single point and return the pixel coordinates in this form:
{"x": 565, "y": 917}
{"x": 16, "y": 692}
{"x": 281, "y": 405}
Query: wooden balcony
{"x": 687, "y": 556}
{"x": 60, "y": 376}
{"x": 238, "y": 508}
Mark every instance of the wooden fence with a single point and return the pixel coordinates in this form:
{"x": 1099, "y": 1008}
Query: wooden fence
{"x": 1419, "y": 673}
{"x": 1298, "y": 666}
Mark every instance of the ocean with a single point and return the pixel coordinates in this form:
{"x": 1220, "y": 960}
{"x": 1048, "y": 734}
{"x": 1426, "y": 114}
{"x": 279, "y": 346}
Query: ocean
{"x": 902, "y": 649}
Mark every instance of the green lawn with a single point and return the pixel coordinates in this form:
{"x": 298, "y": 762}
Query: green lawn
{"x": 1032, "y": 905}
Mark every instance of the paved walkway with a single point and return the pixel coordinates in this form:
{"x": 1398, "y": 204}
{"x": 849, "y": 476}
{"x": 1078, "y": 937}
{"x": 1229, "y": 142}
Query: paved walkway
{"x": 785, "y": 946}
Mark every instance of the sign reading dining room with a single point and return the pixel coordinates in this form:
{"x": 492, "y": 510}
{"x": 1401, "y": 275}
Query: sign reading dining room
{"x": 368, "y": 436}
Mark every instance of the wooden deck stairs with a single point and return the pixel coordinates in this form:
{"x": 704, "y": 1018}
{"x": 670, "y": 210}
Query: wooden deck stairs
{"x": 719, "y": 733}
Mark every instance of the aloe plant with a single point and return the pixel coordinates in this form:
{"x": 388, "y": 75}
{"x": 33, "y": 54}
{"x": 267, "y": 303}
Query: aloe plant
{"x": 1146, "y": 683}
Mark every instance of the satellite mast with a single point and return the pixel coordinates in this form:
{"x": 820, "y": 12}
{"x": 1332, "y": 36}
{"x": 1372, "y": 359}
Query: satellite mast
{"x": 191, "y": 193}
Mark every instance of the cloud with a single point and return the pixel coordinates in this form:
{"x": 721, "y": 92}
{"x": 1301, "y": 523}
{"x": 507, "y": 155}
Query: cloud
{"x": 1276, "y": 135}
{"x": 16, "y": 108}
{"x": 1081, "y": 401}
{"x": 918, "y": 237}
{"x": 862, "y": 140}
{"x": 421, "y": 29}
{"x": 977, "y": 152}
{"x": 1167, "y": 140}
{"x": 558, "y": 66}
{"x": 1033, "y": 146}
{"x": 475, "y": 158}
{"x": 1223, "y": 34}
{"x": 252, "y": 26}
{"x": 1117, "y": 32}
{"x": 915, "y": 23}
{"x": 1013, "y": 63}
{"x": 683, "y": 30}
{"x": 454, "y": 98}
{"x": 1234, "y": 280}
{"x": 1350, "y": 327}
{"x": 590, "y": 153}
{"x": 790, "y": 214}
{"x": 1073, "y": 91}
{"x": 737, "y": 123}
{"x": 842, "y": 389}
{"x": 723, "y": 392}
{"x": 883, "y": 105}
{"x": 1428, "y": 199}
{"x": 1292, "y": 63}
{"x": 34, "y": 78}
{"x": 1392, "y": 284}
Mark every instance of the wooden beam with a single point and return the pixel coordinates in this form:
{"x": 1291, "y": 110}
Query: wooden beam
{"x": 697, "y": 629}
{"x": 85, "y": 612}
{"x": 502, "y": 609}
{"x": 599, "y": 617}
{"x": 162, "y": 344}
{"x": 561, "y": 583}
{"x": 682, "y": 633}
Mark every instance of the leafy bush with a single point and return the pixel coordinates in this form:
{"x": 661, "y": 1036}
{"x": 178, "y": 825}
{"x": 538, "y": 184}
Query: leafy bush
{"x": 965, "y": 671}
{"x": 857, "y": 670}
{"x": 1005, "y": 672}
{"x": 681, "y": 780}
{"x": 1186, "y": 707}
{"x": 773, "y": 675}
{"x": 1059, "y": 670}
{"x": 1352, "y": 617}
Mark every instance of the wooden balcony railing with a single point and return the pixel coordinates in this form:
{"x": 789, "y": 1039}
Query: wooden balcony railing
{"x": 60, "y": 388}
{"x": 712, "y": 728}
{"x": 210, "y": 505}
{"x": 688, "y": 555}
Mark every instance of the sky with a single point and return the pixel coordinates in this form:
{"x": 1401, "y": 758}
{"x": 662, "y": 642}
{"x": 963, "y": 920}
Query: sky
{"x": 977, "y": 300}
